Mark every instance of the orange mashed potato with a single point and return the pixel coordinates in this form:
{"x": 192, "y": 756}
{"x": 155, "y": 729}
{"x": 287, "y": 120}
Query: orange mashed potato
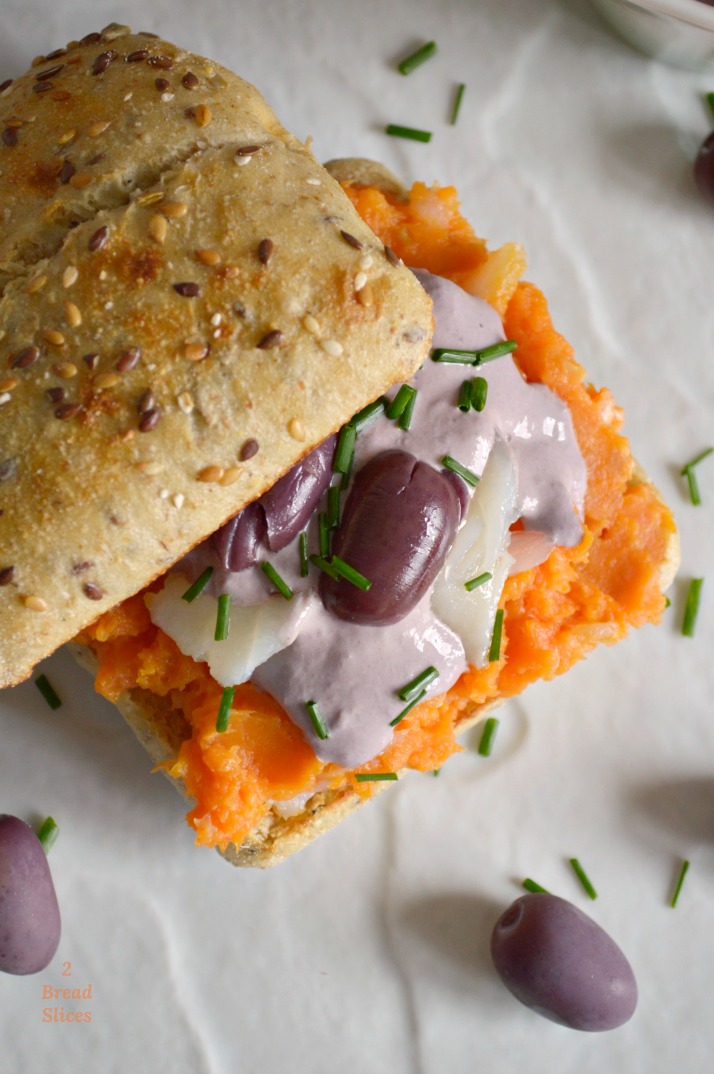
{"x": 554, "y": 614}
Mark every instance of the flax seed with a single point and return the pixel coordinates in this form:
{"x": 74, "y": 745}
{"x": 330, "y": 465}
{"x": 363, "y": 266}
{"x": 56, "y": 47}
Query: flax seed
{"x": 106, "y": 380}
{"x": 99, "y": 239}
{"x": 53, "y": 337}
{"x": 66, "y": 370}
{"x": 271, "y": 339}
{"x": 211, "y": 475}
{"x": 195, "y": 352}
{"x": 93, "y": 591}
{"x": 203, "y": 115}
{"x": 248, "y": 450}
{"x": 209, "y": 257}
{"x": 150, "y": 420}
{"x": 174, "y": 209}
{"x": 128, "y": 360}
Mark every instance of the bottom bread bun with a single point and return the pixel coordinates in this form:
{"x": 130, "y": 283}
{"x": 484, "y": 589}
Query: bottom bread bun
{"x": 249, "y": 799}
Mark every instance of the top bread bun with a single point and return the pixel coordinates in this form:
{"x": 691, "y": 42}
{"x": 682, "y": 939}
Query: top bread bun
{"x": 189, "y": 305}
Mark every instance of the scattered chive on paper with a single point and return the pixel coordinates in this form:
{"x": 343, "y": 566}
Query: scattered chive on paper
{"x": 423, "y": 680}
{"x": 224, "y": 709}
{"x": 691, "y": 608}
{"x": 680, "y": 881}
{"x": 416, "y": 59}
{"x": 408, "y": 708}
{"x": 487, "y": 736}
{"x": 45, "y": 687}
{"x": 318, "y": 724}
{"x": 413, "y": 133}
{"x": 494, "y": 652}
{"x": 223, "y": 617}
{"x": 532, "y": 886}
{"x": 345, "y": 449}
{"x": 463, "y": 471}
{"x": 374, "y": 777}
{"x": 583, "y": 878}
{"x": 47, "y": 834}
{"x": 458, "y": 98}
{"x": 688, "y": 472}
{"x": 198, "y": 586}
{"x": 480, "y": 579}
{"x": 280, "y": 584}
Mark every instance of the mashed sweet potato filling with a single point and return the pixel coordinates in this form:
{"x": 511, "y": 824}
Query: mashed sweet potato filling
{"x": 553, "y": 615}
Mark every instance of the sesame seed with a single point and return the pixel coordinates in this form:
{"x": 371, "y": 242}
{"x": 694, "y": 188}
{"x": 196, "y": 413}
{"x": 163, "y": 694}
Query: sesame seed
{"x": 195, "y": 352}
{"x": 209, "y": 257}
{"x": 128, "y": 359}
{"x": 365, "y": 262}
{"x": 248, "y": 450}
{"x": 313, "y": 182}
{"x": 162, "y": 84}
{"x": 158, "y": 228}
{"x": 9, "y": 136}
{"x": 98, "y": 127}
{"x": 187, "y": 289}
{"x": 91, "y": 360}
{"x": 178, "y": 500}
{"x": 67, "y": 411}
{"x": 265, "y": 250}
{"x": 216, "y": 319}
{"x": 185, "y": 402}
{"x": 229, "y": 272}
{"x": 21, "y": 359}
{"x": 99, "y": 238}
{"x": 360, "y": 280}
{"x": 166, "y": 97}
{"x": 311, "y": 324}
{"x": 230, "y": 476}
{"x": 68, "y": 136}
{"x": 53, "y": 337}
{"x": 73, "y": 314}
{"x": 164, "y": 494}
{"x": 211, "y": 475}
{"x": 332, "y": 347}
{"x": 138, "y": 55}
{"x": 36, "y": 284}
{"x": 203, "y": 115}
{"x": 151, "y": 469}
{"x": 67, "y": 171}
{"x": 242, "y": 161}
{"x": 296, "y": 429}
{"x": 66, "y": 370}
{"x": 6, "y": 575}
{"x": 271, "y": 339}
{"x": 70, "y": 276}
{"x": 92, "y": 590}
{"x": 150, "y": 198}
{"x": 164, "y": 63}
{"x": 102, "y": 61}
{"x": 174, "y": 209}
{"x": 5, "y": 397}
{"x": 351, "y": 240}
{"x": 190, "y": 81}
{"x": 35, "y": 604}
{"x": 8, "y": 384}
{"x": 106, "y": 380}
{"x": 150, "y": 420}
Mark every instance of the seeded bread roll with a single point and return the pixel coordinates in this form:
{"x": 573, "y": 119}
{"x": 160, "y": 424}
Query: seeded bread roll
{"x": 189, "y": 305}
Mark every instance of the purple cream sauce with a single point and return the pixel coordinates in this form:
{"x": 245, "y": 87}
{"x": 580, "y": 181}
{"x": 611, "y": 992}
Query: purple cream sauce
{"x": 354, "y": 671}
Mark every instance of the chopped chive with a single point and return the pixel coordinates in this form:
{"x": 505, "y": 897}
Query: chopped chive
{"x": 710, "y": 102}
{"x": 318, "y": 724}
{"x": 495, "y": 651}
{"x": 224, "y": 709}
{"x": 699, "y": 458}
{"x": 405, "y": 418}
{"x": 369, "y": 414}
{"x": 198, "y": 586}
{"x": 423, "y": 680}
{"x": 496, "y": 350}
{"x": 458, "y": 98}
{"x": 400, "y": 400}
{"x": 345, "y": 449}
{"x": 477, "y": 357}
{"x": 583, "y": 878}
{"x": 322, "y": 564}
{"x": 479, "y": 393}
{"x": 688, "y": 472}
{"x": 487, "y": 736}
{"x": 416, "y": 59}
{"x": 48, "y": 691}
{"x": 531, "y": 885}
{"x": 333, "y": 505}
{"x": 48, "y": 834}
{"x": 464, "y": 401}
{"x": 452, "y": 357}
{"x": 373, "y": 777}
{"x": 280, "y": 584}
{"x": 480, "y": 579}
{"x": 682, "y": 873}
{"x": 407, "y": 132}
{"x": 414, "y": 701}
{"x": 667, "y": 602}
{"x": 223, "y": 617}
{"x": 468, "y": 475}
{"x": 350, "y": 574}
{"x": 304, "y": 562}
{"x": 325, "y": 537}
{"x": 692, "y": 607}
{"x": 435, "y": 772}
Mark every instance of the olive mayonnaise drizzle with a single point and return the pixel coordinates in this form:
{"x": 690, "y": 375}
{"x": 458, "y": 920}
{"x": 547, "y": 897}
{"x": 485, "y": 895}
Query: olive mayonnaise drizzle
{"x": 353, "y": 671}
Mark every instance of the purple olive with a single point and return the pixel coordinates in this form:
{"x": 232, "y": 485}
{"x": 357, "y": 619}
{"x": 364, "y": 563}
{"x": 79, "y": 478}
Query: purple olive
{"x": 29, "y": 915}
{"x": 239, "y": 540}
{"x": 560, "y": 963}
{"x": 704, "y": 168}
{"x": 399, "y": 521}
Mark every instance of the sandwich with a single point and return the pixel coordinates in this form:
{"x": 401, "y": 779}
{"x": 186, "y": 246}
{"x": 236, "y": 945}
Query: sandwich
{"x": 298, "y": 467}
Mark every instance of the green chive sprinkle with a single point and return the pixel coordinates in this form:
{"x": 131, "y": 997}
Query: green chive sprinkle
{"x": 48, "y": 834}
{"x": 682, "y": 873}
{"x": 198, "y": 586}
{"x": 224, "y": 709}
{"x": 318, "y": 724}
{"x": 436, "y": 772}
{"x": 223, "y": 617}
{"x": 369, "y": 414}
{"x": 48, "y": 692}
{"x": 710, "y": 102}
{"x": 464, "y": 402}
{"x": 322, "y": 564}
{"x": 480, "y": 579}
{"x": 495, "y": 651}
{"x": 688, "y": 472}
{"x": 458, "y": 98}
{"x": 414, "y": 701}
{"x": 345, "y": 449}
{"x": 423, "y": 680}
{"x": 324, "y": 534}
{"x": 583, "y": 878}
{"x": 479, "y": 393}
{"x": 333, "y": 505}
{"x": 280, "y": 584}
{"x": 416, "y": 59}
{"x": 531, "y": 885}
{"x": 304, "y": 562}
{"x": 350, "y": 574}
{"x": 496, "y": 350}
{"x": 468, "y": 475}
{"x": 487, "y": 736}
{"x": 405, "y": 418}
{"x": 667, "y": 602}
{"x": 477, "y": 357}
{"x": 407, "y": 132}
{"x": 692, "y": 607}
{"x": 400, "y": 400}
{"x": 374, "y": 777}
{"x": 452, "y": 357}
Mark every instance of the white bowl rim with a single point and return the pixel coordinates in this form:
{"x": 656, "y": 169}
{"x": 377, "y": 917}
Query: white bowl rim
{"x": 693, "y": 12}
